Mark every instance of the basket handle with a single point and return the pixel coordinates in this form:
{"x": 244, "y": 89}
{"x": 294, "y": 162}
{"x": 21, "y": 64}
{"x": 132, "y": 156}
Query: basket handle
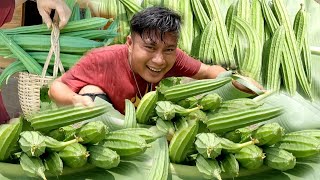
{"x": 55, "y": 48}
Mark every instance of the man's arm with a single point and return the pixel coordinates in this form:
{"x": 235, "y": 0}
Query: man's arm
{"x": 208, "y": 72}
{"x": 61, "y": 94}
{"x": 211, "y": 72}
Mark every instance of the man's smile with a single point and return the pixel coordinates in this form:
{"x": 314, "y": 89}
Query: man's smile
{"x": 154, "y": 69}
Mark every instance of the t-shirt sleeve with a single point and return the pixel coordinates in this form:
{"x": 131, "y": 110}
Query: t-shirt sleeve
{"x": 185, "y": 65}
{"x": 6, "y": 11}
{"x": 81, "y": 74}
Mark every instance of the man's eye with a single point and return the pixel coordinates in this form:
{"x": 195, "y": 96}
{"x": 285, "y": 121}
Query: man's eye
{"x": 150, "y": 47}
{"x": 170, "y": 50}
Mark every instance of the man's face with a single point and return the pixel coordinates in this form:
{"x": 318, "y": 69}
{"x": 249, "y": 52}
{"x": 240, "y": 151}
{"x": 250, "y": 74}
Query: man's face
{"x": 152, "y": 58}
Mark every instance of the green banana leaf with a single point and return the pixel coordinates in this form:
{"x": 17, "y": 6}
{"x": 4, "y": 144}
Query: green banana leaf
{"x": 299, "y": 114}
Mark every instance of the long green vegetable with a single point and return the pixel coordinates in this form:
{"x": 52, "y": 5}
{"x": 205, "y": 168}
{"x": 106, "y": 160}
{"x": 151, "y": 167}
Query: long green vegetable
{"x": 31, "y": 64}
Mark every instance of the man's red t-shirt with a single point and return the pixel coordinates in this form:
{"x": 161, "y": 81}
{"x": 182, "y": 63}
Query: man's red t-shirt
{"x": 109, "y": 69}
{"x": 6, "y": 11}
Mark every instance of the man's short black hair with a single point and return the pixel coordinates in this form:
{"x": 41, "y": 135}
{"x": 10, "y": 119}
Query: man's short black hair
{"x": 157, "y": 20}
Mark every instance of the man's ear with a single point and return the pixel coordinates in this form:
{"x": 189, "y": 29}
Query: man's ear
{"x": 129, "y": 43}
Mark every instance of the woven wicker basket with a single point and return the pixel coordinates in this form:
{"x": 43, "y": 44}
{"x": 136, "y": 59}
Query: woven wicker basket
{"x": 29, "y": 85}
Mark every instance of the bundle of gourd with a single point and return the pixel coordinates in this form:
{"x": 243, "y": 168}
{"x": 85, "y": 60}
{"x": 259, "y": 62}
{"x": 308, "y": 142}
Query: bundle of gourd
{"x": 30, "y": 45}
{"x": 219, "y": 136}
{"x": 68, "y": 137}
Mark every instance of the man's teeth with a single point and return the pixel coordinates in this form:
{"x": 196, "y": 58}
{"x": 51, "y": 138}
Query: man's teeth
{"x": 156, "y": 70}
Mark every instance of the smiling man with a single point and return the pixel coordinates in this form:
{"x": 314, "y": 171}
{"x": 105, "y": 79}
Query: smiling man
{"x": 128, "y": 71}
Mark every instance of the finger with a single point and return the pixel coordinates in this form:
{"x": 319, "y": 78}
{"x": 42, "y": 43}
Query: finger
{"x": 45, "y": 17}
{"x": 87, "y": 101}
{"x": 64, "y": 14}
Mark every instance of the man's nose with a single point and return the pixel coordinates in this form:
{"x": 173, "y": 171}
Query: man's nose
{"x": 158, "y": 58}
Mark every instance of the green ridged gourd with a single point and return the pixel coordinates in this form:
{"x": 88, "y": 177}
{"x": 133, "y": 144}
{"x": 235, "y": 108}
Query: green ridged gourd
{"x": 165, "y": 110}
{"x": 74, "y": 155}
{"x": 32, "y": 166}
{"x": 268, "y": 134}
{"x": 210, "y": 102}
{"x": 208, "y": 145}
{"x": 166, "y": 127}
{"x": 32, "y": 143}
{"x": 230, "y": 165}
{"x": 103, "y": 157}
{"x": 279, "y": 159}
{"x": 53, "y": 164}
{"x": 209, "y": 168}
{"x": 92, "y": 132}
{"x": 250, "y": 157}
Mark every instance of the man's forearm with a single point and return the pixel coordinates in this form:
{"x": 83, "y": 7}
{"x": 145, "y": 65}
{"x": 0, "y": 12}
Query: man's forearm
{"x": 61, "y": 93}
{"x": 208, "y": 72}
{"x": 211, "y": 72}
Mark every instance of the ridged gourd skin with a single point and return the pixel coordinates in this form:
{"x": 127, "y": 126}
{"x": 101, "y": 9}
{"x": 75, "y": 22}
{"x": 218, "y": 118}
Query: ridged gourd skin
{"x": 197, "y": 115}
{"x": 188, "y": 102}
{"x": 48, "y": 120}
{"x": 268, "y": 134}
{"x": 300, "y": 26}
{"x": 165, "y": 110}
{"x": 130, "y": 118}
{"x": 299, "y": 145}
{"x": 103, "y": 157}
{"x": 308, "y": 132}
{"x": 32, "y": 143}
{"x": 208, "y": 145}
{"x": 238, "y": 104}
{"x": 74, "y": 26}
{"x": 68, "y": 131}
{"x": 74, "y": 155}
{"x": 284, "y": 19}
{"x": 53, "y": 164}
{"x": 230, "y": 165}
{"x": 233, "y": 136}
{"x": 58, "y": 134}
{"x": 182, "y": 140}
{"x": 32, "y": 166}
{"x": 279, "y": 159}
{"x": 166, "y": 127}
{"x": 147, "y": 134}
{"x": 209, "y": 168}
{"x": 210, "y": 102}
{"x": 181, "y": 91}
{"x": 287, "y": 65}
{"x": 68, "y": 44}
{"x": 223, "y": 122}
{"x": 92, "y": 132}
{"x": 161, "y": 161}
{"x": 146, "y": 107}
{"x": 125, "y": 144}
{"x": 9, "y": 135}
{"x": 274, "y": 59}
{"x": 250, "y": 157}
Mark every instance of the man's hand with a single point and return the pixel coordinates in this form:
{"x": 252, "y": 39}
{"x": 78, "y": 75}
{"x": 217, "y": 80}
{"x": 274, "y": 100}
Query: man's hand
{"x": 245, "y": 89}
{"x": 79, "y": 100}
{"x": 62, "y": 9}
